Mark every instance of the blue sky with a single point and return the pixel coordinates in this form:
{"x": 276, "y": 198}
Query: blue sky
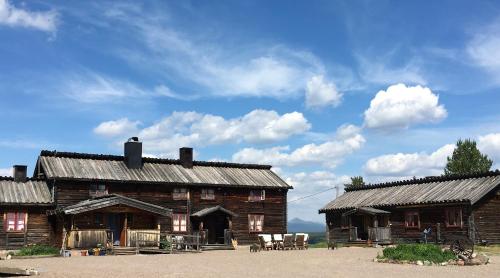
{"x": 321, "y": 90}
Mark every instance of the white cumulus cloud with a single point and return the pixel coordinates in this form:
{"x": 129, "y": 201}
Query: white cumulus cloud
{"x": 490, "y": 145}
{"x": 13, "y": 17}
{"x": 409, "y": 164}
{"x": 320, "y": 92}
{"x": 5, "y": 172}
{"x": 401, "y": 106}
{"x": 117, "y": 128}
{"x": 196, "y": 129}
{"x": 329, "y": 154}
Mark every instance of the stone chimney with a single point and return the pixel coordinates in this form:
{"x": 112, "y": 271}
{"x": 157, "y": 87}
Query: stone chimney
{"x": 133, "y": 153}
{"x": 186, "y": 157}
{"x": 20, "y": 173}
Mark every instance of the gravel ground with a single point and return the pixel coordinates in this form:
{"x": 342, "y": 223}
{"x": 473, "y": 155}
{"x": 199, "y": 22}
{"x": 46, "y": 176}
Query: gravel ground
{"x": 344, "y": 262}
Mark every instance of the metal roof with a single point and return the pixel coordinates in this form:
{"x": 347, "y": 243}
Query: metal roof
{"x": 112, "y": 200}
{"x": 435, "y": 190}
{"x": 112, "y": 168}
{"x": 30, "y": 192}
{"x": 210, "y": 210}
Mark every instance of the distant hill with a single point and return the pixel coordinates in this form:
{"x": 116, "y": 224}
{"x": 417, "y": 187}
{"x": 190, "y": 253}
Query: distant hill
{"x": 298, "y": 225}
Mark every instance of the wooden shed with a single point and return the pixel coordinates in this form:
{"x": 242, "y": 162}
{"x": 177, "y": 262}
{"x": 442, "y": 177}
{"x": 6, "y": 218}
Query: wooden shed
{"x": 401, "y": 211}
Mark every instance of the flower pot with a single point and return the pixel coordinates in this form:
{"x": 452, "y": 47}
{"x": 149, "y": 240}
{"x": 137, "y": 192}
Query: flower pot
{"x": 102, "y": 252}
{"x": 84, "y": 252}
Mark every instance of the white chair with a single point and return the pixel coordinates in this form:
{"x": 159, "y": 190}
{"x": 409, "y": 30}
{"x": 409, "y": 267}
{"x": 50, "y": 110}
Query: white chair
{"x": 278, "y": 241}
{"x": 306, "y": 238}
{"x": 266, "y": 241}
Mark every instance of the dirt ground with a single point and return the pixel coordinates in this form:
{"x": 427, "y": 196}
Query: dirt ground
{"x": 344, "y": 262}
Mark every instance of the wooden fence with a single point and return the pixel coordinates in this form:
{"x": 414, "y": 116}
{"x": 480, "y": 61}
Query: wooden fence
{"x": 87, "y": 238}
{"x": 143, "y": 238}
{"x": 379, "y": 234}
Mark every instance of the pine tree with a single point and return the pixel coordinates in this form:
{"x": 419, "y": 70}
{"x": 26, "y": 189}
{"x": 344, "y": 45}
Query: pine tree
{"x": 356, "y": 182}
{"x": 467, "y": 159}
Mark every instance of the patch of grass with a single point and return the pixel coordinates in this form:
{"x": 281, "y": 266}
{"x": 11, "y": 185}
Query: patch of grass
{"x": 493, "y": 249}
{"x": 34, "y": 250}
{"x": 320, "y": 244}
{"x": 418, "y": 252}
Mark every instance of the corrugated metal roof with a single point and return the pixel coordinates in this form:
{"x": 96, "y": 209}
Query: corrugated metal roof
{"x": 29, "y": 192}
{"x": 113, "y": 200}
{"x": 112, "y": 168}
{"x": 441, "y": 190}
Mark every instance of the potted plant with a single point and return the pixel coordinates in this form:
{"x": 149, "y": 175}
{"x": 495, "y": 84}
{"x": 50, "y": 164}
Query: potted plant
{"x": 91, "y": 251}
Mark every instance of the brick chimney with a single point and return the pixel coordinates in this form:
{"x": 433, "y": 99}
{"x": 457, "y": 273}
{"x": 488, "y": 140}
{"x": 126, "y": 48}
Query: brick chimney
{"x": 186, "y": 157}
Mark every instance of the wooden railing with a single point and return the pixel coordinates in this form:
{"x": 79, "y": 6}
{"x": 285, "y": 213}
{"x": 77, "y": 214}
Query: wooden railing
{"x": 143, "y": 238}
{"x": 379, "y": 234}
{"x": 88, "y": 238}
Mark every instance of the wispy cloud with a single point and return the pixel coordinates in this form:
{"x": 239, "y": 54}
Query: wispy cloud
{"x": 13, "y": 16}
{"x": 5, "y": 172}
{"x": 380, "y": 71}
{"x": 484, "y": 49}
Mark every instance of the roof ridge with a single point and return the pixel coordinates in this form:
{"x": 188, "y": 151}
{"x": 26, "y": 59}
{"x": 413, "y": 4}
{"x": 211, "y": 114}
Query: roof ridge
{"x": 424, "y": 180}
{"x": 8, "y": 178}
{"x": 152, "y": 160}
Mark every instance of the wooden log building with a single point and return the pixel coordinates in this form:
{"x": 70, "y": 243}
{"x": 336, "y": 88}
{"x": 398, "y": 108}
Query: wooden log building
{"x": 80, "y": 199}
{"x": 394, "y": 212}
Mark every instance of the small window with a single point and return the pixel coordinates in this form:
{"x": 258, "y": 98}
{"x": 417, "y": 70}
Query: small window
{"x": 255, "y": 222}
{"x": 180, "y": 194}
{"x": 208, "y": 194}
{"x": 257, "y": 195}
{"x": 453, "y": 217}
{"x": 412, "y": 219}
{"x": 97, "y": 190}
{"x": 179, "y": 222}
{"x": 14, "y": 221}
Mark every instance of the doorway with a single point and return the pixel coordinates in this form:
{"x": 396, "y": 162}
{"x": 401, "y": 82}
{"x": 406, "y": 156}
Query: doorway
{"x": 115, "y": 225}
{"x": 360, "y": 221}
{"x": 216, "y": 224}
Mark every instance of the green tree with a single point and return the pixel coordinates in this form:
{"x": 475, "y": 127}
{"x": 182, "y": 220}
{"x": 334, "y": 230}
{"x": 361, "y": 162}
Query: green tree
{"x": 467, "y": 159}
{"x": 356, "y": 182}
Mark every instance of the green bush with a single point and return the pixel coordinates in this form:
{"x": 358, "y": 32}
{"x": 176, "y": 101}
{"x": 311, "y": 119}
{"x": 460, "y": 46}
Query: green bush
{"x": 33, "y": 250}
{"x": 418, "y": 252}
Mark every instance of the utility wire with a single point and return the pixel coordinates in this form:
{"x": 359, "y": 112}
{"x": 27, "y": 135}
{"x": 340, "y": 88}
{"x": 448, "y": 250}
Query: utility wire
{"x": 312, "y": 195}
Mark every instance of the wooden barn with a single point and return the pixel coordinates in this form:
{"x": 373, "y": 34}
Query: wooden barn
{"x": 82, "y": 199}
{"x": 394, "y": 212}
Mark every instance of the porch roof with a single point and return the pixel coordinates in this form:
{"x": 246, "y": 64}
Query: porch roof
{"x": 112, "y": 200}
{"x": 366, "y": 210}
{"x": 210, "y": 210}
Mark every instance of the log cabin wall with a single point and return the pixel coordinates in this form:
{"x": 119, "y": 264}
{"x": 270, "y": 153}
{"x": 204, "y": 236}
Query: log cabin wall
{"x": 37, "y": 230}
{"x": 234, "y": 199}
{"x": 429, "y": 217}
{"x": 486, "y": 215}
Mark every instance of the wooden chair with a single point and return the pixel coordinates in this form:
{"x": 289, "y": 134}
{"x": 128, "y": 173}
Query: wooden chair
{"x": 299, "y": 241}
{"x": 306, "y": 239}
{"x": 278, "y": 241}
{"x": 265, "y": 243}
{"x": 288, "y": 242}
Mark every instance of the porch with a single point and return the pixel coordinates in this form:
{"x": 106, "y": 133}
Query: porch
{"x": 368, "y": 225}
{"x": 214, "y": 226}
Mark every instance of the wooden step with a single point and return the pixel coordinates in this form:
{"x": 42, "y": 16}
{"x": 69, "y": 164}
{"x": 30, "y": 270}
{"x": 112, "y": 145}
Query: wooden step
{"x": 124, "y": 251}
{"x": 212, "y": 247}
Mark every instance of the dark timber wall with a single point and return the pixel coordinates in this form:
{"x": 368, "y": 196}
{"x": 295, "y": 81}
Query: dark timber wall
{"x": 430, "y": 216}
{"x": 487, "y": 217}
{"x": 234, "y": 199}
{"x": 37, "y": 231}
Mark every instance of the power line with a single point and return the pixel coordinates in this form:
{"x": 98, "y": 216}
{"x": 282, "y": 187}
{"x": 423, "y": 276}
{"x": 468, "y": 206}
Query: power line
{"x": 312, "y": 195}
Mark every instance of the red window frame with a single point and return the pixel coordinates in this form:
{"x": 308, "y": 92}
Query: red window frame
{"x": 453, "y": 214}
{"x": 411, "y": 223}
{"x": 180, "y": 194}
{"x": 179, "y": 227}
{"x": 253, "y": 223}
{"x": 257, "y": 195}
{"x": 208, "y": 194}
{"x": 18, "y": 221}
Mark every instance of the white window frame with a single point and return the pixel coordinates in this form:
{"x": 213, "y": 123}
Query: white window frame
{"x": 208, "y": 194}
{"x": 255, "y": 223}
{"x": 257, "y": 195}
{"x": 179, "y": 222}
{"x": 180, "y": 193}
